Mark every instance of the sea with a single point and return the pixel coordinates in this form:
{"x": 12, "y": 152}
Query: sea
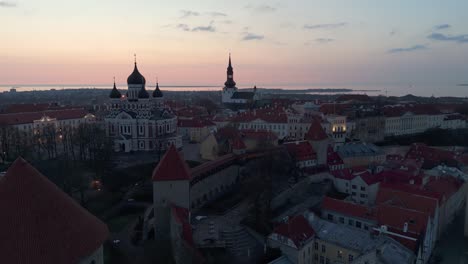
{"x": 386, "y": 89}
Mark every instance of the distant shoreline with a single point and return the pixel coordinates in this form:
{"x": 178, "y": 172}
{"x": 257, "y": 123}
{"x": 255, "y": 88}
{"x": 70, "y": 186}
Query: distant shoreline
{"x": 315, "y": 90}
{"x": 462, "y": 84}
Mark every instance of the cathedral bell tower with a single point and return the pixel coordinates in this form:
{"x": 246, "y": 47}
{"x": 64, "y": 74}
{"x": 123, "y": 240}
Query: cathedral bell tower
{"x": 230, "y": 85}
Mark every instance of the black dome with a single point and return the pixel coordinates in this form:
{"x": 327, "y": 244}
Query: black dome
{"x": 157, "y": 92}
{"x": 114, "y": 94}
{"x": 230, "y": 83}
{"x": 143, "y": 93}
{"x": 136, "y": 77}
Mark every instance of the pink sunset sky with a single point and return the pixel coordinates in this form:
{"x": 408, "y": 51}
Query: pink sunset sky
{"x": 272, "y": 43}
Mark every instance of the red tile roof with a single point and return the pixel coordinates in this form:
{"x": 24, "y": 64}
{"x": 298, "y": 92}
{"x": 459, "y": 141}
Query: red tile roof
{"x": 344, "y": 174}
{"x": 395, "y": 218}
{"x": 195, "y": 122}
{"x": 348, "y": 208}
{"x": 297, "y": 229}
{"x": 333, "y": 158}
{"x": 237, "y": 143}
{"x": 407, "y": 196}
{"x": 22, "y": 108}
{"x": 421, "y": 151}
{"x": 227, "y": 133}
{"x": 269, "y": 115}
{"x": 42, "y": 224}
{"x": 329, "y": 109}
{"x": 316, "y": 132}
{"x": 301, "y": 151}
{"x": 172, "y": 167}
{"x": 445, "y": 186}
{"x": 258, "y": 134}
{"x": 28, "y": 118}
{"x": 417, "y": 109}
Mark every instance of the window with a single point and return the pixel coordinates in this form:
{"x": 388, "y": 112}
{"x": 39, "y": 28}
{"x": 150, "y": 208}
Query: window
{"x": 341, "y": 220}
{"x": 353, "y": 193}
{"x": 354, "y": 186}
{"x": 366, "y": 227}
{"x": 339, "y": 254}
{"x": 363, "y": 195}
{"x": 316, "y": 257}
{"x": 363, "y": 188}
{"x": 351, "y": 258}
{"x": 327, "y": 261}
{"x": 351, "y": 222}
{"x": 316, "y": 245}
{"x": 330, "y": 217}
{"x": 358, "y": 224}
{"x": 322, "y": 260}
{"x": 324, "y": 248}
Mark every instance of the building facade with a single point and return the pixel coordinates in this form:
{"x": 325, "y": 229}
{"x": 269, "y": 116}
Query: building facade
{"x": 232, "y": 97}
{"x": 138, "y": 121}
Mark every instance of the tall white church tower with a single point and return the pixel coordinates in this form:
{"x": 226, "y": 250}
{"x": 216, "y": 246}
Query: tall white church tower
{"x": 230, "y": 85}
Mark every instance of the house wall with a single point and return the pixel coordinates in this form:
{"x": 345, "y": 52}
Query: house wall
{"x": 213, "y": 186}
{"x": 209, "y": 148}
{"x": 332, "y": 253}
{"x": 174, "y": 192}
{"x": 321, "y": 148}
{"x": 356, "y": 222}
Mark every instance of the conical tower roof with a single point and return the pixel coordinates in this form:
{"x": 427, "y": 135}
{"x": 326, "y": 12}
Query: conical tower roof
{"x": 172, "y": 167}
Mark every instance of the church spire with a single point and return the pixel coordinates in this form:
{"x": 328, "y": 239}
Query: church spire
{"x": 230, "y": 83}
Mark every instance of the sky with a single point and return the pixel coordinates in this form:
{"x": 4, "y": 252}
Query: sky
{"x": 295, "y": 42}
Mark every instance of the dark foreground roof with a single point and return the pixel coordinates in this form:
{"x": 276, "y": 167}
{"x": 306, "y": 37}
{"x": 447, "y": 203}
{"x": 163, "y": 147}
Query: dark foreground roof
{"x": 42, "y": 224}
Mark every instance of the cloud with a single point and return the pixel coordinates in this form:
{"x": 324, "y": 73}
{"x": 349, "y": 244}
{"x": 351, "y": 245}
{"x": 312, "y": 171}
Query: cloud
{"x": 393, "y": 33}
{"x": 183, "y": 27}
{"x": 261, "y": 8}
{"x": 209, "y": 28}
{"x": 252, "y": 36}
{"x": 226, "y": 22}
{"x": 325, "y": 26}
{"x": 455, "y": 38}
{"x": 442, "y": 27}
{"x": 324, "y": 40}
{"x": 7, "y": 4}
{"x": 410, "y": 49}
{"x": 188, "y": 13}
{"x": 216, "y": 14}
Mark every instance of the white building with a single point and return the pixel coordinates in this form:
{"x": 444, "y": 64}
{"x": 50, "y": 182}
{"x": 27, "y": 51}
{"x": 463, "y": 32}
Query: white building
{"x": 232, "y": 97}
{"x": 412, "y": 119}
{"x": 138, "y": 121}
{"x": 337, "y": 128}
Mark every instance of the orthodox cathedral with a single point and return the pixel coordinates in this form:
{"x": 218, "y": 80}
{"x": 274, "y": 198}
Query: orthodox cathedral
{"x": 231, "y": 97}
{"x": 138, "y": 120}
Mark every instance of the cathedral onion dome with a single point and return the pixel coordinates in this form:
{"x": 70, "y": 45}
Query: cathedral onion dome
{"x": 143, "y": 93}
{"x": 115, "y": 94}
{"x": 157, "y": 93}
{"x": 136, "y": 77}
